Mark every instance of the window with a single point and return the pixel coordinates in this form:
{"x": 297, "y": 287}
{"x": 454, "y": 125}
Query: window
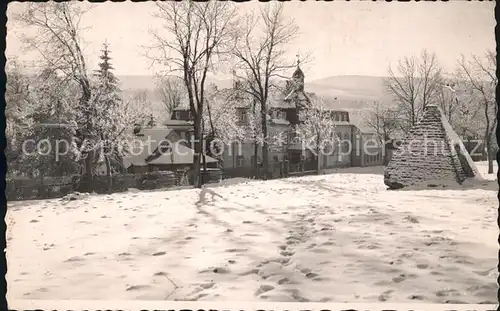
{"x": 190, "y": 115}
{"x": 285, "y": 137}
{"x": 337, "y": 116}
{"x": 275, "y": 158}
{"x": 177, "y": 115}
{"x": 252, "y": 159}
{"x": 346, "y": 142}
{"x": 280, "y": 115}
{"x": 242, "y": 116}
{"x": 240, "y": 161}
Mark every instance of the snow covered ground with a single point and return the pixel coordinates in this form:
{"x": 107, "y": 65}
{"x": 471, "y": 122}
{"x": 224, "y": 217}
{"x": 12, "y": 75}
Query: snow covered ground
{"x": 340, "y": 237}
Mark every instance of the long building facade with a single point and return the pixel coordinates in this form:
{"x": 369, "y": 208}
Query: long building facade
{"x": 286, "y": 153}
{"x": 355, "y": 147}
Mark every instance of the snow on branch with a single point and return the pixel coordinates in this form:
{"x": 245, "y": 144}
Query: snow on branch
{"x": 318, "y": 130}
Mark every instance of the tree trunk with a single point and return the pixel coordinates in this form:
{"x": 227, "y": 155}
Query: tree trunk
{"x": 85, "y": 102}
{"x": 265, "y": 146}
{"x": 487, "y": 139}
{"x": 108, "y": 173}
{"x": 87, "y": 177}
{"x": 318, "y": 166}
{"x": 256, "y": 157}
{"x": 386, "y": 157}
{"x": 205, "y": 173}
{"x": 490, "y": 155}
{"x": 318, "y": 157}
{"x": 197, "y": 152}
{"x": 255, "y": 146}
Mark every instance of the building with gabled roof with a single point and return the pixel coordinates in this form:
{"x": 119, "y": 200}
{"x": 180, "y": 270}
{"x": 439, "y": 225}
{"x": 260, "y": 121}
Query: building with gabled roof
{"x": 160, "y": 149}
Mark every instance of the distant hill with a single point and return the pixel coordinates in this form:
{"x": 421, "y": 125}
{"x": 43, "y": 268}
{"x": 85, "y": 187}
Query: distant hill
{"x": 135, "y": 83}
{"x": 352, "y": 92}
{"x": 349, "y": 87}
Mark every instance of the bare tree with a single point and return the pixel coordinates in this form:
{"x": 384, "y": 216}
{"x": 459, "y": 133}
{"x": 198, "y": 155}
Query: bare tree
{"x": 196, "y": 34}
{"x": 466, "y": 117}
{"x": 172, "y": 92}
{"x": 58, "y": 41}
{"x": 261, "y": 55}
{"x": 447, "y": 98}
{"x": 383, "y": 120}
{"x": 480, "y": 76}
{"x": 416, "y": 84}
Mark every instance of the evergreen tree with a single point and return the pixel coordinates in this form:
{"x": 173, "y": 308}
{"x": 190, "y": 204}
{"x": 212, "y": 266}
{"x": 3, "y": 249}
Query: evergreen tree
{"x": 112, "y": 119}
{"x": 108, "y": 125}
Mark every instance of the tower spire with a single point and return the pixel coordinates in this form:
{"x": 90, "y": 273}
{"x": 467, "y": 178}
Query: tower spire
{"x": 298, "y": 75}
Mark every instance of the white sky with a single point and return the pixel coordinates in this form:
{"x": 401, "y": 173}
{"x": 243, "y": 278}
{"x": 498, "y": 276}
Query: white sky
{"x": 346, "y": 38}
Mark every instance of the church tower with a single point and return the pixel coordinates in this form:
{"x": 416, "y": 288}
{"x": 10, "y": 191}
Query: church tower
{"x": 298, "y": 77}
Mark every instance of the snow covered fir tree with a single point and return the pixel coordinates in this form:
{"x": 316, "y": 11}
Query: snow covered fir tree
{"x": 109, "y": 102}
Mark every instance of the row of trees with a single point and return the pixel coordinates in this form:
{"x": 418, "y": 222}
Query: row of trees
{"x": 195, "y": 39}
{"x": 466, "y": 96}
{"x": 198, "y": 37}
{"x": 77, "y": 113}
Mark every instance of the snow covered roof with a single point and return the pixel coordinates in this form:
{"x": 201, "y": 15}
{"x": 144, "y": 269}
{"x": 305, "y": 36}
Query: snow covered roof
{"x": 182, "y": 155}
{"x": 145, "y": 148}
{"x": 174, "y": 123}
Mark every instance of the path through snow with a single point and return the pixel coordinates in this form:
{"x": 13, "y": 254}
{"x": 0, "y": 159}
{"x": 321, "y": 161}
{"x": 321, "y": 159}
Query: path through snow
{"x": 339, "y": 237}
